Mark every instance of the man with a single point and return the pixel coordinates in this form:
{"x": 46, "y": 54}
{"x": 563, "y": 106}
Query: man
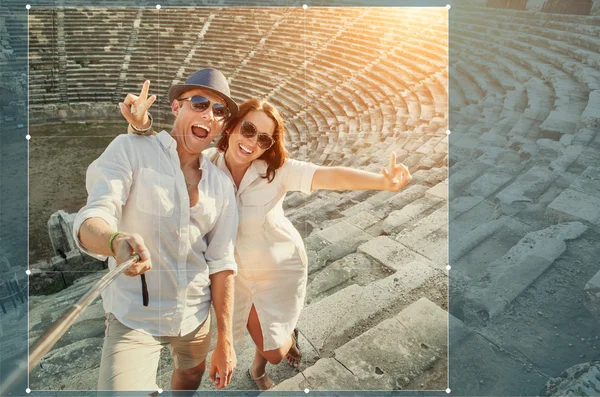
{"x": 160, "y": 198}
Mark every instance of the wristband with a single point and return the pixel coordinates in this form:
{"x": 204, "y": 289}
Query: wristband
{"x": 143, "y": 131}
{"x": 110, "y": 241}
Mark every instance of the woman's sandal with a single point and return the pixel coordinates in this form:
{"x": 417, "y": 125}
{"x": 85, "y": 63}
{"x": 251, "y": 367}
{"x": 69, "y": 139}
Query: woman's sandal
{"x": 294, "y": 358}
{"x": 263, "y": 382}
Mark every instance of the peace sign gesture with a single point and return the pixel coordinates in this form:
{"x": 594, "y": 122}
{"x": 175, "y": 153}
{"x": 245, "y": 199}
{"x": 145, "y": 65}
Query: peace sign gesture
{"x": 397, "y": 176}
{"x": 135, "y": 108}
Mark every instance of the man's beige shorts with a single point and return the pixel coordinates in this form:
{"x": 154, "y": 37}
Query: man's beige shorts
{"x": 130, "y": 358}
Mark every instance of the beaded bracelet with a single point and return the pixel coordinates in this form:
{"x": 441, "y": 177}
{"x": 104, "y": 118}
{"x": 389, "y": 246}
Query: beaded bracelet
{"x": 143, "y": 131}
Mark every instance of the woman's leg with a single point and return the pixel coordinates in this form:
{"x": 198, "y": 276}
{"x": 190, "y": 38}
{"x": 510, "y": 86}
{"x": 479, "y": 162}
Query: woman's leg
{"x": 255, "y": 330}
{"x": 261, "y": 357}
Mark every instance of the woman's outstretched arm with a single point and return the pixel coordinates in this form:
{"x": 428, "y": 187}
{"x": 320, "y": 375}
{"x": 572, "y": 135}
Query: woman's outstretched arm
{"x": 344, "y": 178}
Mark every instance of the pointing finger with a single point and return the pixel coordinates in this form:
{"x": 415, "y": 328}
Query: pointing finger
{"x": 144, "y": 92}
{"x": 392, "y": 161}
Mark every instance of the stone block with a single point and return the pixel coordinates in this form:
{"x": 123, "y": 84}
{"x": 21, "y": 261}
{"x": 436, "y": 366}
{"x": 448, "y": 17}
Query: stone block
{"x": 60, "y": 228}
{"x": 45, "y": 282}
{"x": 572, "y": 205}
{"x": 346, "y": 311}
{"x": 528, "y": 186}
{"x": 410, "y": 213}
{"x": 400, "y": 199}
{"x": 355, "y": 209}
{"x": 590, "y": 157}
{"x": 588, "y": 182}
{"x": 463, "y": 175}
{"x": 429, "y": 237}
{"x": 440, "y": 190}
{"x": 496, "y": 157}
{"x": 314, "y": 242}
{"x": 363, "y": 220}
{"x": 460, "y": 205}
{"x": 58, "y": 263}
{"x": 74, "y": 260}
{"x": 568, "y": 156}
{"x": 326, "y": 374}
{"x": 581, "y": 380}
{"x": 61, "y": 364}
{"x": 591, "y": 114}
{"x": 465, "y": 242}
{"x": 429, "y": 146}
{"x": 584, "y": 136}
{"x": 338, "y": 273}
{"x": 395, "y": 351}
{"x": 342, "y": 231}
{"x": 344, "y": 247}
{"x": 429, "y": 177}
{"x": 391, "y": 253}
{"x": 558, "y": 123}
{"x": 489, "y": 183}
{"x": 591, "y": 294}
{"x": 508, "y": 276}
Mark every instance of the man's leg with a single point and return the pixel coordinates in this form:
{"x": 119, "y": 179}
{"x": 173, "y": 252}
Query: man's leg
{"x": 129, "y": 358}
{"x": 189, "y": 357}
{"x": 188, "y": 379}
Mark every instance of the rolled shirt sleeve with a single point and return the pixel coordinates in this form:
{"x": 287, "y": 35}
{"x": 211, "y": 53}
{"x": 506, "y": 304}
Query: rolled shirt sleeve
{"x": 298, "y": 175}
{"x": 221, "y": 239}
{"x": 108, "y": 182}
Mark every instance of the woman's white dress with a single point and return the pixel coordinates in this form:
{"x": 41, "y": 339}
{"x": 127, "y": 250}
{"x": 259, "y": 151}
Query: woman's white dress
{"x": 270, "y": 253}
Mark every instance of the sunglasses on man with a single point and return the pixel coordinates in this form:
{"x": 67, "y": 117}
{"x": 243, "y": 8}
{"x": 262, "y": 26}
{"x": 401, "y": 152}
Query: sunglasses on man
{"x": 200, "y": 104}
{"x": 264, "y": 141}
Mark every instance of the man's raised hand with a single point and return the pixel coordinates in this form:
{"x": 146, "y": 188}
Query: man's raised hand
{"x": 135, "y": 108}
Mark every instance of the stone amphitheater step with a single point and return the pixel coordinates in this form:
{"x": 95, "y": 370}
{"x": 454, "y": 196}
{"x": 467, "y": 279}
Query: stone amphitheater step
{"x": 396, "y": 202}
{"x": 505, "y": 278}
{"x": 429, "y": 237}
{"x": 333, "y": 243}
{"x": 330, "y": 322}
{"x": 355, "y": 268}
{"x": 72, "y": 367}
{"x": 389, "y": 356}
{"x": 592, "y": 295}
{"x": 400, "y": 219}
{"x": 490, "y": 238}
{"x": 480, "y": 360}
{"x": 590, "y": 114}
{"x": 527, "y": 187}
{"x": 489, "y": 182}
{"x": 584, "y": 191}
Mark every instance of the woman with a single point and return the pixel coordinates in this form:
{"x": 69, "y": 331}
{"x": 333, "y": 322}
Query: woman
{"x": 272, "y": 263}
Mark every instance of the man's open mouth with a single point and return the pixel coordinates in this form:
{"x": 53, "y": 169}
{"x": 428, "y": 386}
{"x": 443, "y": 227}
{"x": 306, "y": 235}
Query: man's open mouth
{"x": 200, "y": 131}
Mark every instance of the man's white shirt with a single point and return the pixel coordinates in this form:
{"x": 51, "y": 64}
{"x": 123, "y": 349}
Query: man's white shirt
{"x": 137, "y": 186}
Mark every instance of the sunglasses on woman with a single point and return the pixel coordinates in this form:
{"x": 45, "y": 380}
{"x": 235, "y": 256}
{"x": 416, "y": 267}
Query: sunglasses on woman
{"x": 200, "y": 104}
{"x": 264, "y": 141}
